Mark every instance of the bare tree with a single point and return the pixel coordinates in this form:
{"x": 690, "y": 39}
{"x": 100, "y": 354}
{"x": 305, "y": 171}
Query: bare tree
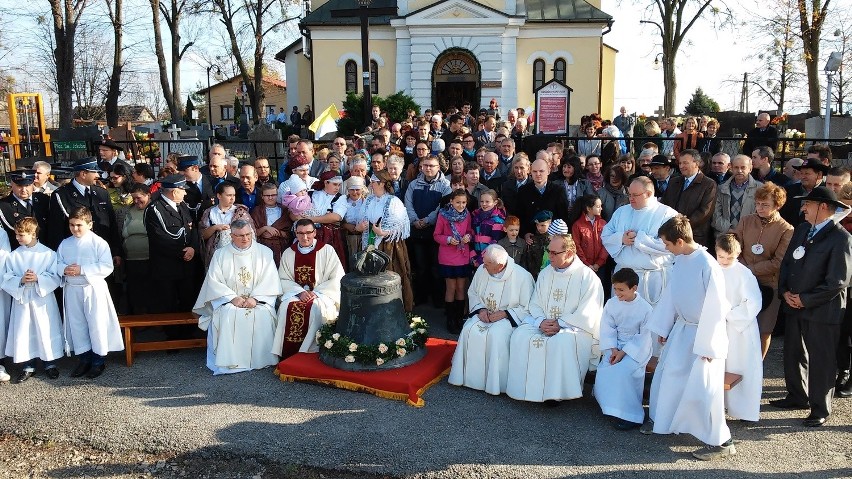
{"x": 256, "y": 19}
{"x": 172, "y": 11}
{"x": 115, "y": 10}
{"x": 777, "y": 60}
{"x": 842, "y": 79}
{"x": 144, "y": 89}
{"x": 66, "y": 16}
{"x": 674, "y": 19}
{"x": 91, "y": 77}
{"x": 812, "y": 15}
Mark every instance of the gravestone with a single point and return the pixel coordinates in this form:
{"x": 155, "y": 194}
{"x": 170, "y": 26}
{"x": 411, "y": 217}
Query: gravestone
{"x": 269, "y": 141}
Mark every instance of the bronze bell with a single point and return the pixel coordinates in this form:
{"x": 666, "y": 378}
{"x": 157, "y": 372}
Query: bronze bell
{"x": 371, "y": 311}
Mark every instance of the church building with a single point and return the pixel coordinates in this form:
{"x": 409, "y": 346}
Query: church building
{"x": 443, "y": 52}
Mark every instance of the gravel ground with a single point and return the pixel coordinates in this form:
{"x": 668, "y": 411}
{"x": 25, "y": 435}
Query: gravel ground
{"x": 167, "y": 416}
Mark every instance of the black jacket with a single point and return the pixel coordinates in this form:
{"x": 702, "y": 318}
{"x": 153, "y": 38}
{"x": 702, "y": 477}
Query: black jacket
{"x": 65, "y": 199}
{"x": 530, "y": 202}
{"x": 12, "y": 210}
{"x": 169, "y": 232}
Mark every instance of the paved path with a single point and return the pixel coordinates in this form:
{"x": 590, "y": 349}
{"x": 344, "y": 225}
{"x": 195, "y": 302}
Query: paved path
{"x": 173, "y": 403}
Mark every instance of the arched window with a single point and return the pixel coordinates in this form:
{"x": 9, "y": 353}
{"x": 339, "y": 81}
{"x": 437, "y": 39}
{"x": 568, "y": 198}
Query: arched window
{"x": 374, "y": 77}
{"x": 559, "y": 69}
{"x": 351, "y": 76}
{"x": 538, "y": 74}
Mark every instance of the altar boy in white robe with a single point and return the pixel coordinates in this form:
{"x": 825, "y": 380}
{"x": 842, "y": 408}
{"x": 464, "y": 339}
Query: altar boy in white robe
{"x": 499, "y": 295}
{"x": 626, "y": 348}
{"x": 35, "y": 326}
{"x": 5, "y": 306}
{"x": 236, "y": 304}
{"x": 550, "y": 354}
{"x": 91, "y": 324}
{"x": 688, "y": 389}
{"x": 310, "y": 275}
{"x": 744, "y": 351}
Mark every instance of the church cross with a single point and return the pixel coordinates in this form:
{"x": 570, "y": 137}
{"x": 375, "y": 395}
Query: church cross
{"x": 660, "y": 112}
{"x": 538, "y": 342}
{"x": 555, "y": 312}
{"x": 558, "y": 295}
{"x": 174, "y": 131}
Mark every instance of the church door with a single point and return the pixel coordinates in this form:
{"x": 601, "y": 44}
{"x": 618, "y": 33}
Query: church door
{"x": 456, "y": 79}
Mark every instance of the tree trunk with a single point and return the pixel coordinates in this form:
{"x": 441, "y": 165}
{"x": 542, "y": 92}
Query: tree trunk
{"x": 174, "y": 28}
{"x": 114, "y": 89}
{"x": 810, "y": 23}
{"x": 670, "y": 83}
{"x": 65, "y": 19}
{"x": 161, "y": 58}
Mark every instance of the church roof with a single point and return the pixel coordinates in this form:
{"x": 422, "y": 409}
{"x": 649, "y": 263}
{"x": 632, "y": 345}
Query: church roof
{"x": 558, "y": 11}
{"x": 570, "y": 11}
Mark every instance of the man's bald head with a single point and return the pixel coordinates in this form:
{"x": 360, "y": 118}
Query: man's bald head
{"x": 540, "y": 170}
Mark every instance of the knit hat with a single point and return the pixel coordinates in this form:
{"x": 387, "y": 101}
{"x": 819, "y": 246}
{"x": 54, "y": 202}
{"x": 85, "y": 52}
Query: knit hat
{"x": 558, "y": 227}
{"x": 297, "y": 161}
{"x": 330, "y": 175}
{"x": 295, "y": 184}
{"x": 542, "y": 216}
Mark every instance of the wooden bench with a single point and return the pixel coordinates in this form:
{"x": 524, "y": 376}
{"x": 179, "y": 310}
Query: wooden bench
{"x": 128, "y": 322}
{"x": 731, "y": 379}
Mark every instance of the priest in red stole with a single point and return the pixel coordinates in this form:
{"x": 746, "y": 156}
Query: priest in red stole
{"x": 310, "y": 274}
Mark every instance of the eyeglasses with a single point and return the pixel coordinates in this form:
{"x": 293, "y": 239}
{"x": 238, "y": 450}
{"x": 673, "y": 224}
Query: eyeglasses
{"x": 305, "y": 233}
{"x": 556, "y": 252}
{"x": 340, "y": 144}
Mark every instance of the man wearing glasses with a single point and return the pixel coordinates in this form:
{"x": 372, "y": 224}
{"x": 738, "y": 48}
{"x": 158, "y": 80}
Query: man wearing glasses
{"x": 422, "y": 199}
{"x": 551, "y": 352}
{"x": 631, "y": 238}
{"x": 310, "y": 274}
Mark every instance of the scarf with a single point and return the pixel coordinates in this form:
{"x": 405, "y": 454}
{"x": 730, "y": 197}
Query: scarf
{"x": 454, "y": 217}
{"x": 597, "y": 181}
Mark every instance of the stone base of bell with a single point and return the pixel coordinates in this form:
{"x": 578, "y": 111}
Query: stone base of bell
{"x": 406, "y": 360}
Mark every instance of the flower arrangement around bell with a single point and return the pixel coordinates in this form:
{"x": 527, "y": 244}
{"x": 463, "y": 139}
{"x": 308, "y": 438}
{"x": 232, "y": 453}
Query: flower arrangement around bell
{"x": 340, "y": 346}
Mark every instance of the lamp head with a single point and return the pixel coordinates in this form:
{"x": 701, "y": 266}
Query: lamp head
{"x": 833, "y": 62}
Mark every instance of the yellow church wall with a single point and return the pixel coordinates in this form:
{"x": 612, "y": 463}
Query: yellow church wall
{"x": 329, "y": 77}
{"x": 304, "y": 73}
{"x": 607, "y": 81}
{"x": 583, "y": 75}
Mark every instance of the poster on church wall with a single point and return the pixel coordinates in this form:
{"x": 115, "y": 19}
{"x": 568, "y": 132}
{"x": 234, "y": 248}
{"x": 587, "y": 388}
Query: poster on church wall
{"x": 552, "y": 104}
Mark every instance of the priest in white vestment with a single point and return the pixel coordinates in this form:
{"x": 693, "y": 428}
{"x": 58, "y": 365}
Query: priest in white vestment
{"x": 499, "y": 296}
{"x": 310, "y": 275}
{"x": 552, "y": 351}
{"x": 631, "y": 239}
{"x": 744, "y": 351}
{"x": 236, "y": 304}
{"x": 688, "y": 389}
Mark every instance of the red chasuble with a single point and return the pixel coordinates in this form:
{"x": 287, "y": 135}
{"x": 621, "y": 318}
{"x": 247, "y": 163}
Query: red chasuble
{"x": 299, "y": 312}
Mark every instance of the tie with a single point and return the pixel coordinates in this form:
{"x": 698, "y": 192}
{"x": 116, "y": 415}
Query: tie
{"x": 663, "y": 185}
{"x": 811, "y": 233}
{"x": 686, "y": 183}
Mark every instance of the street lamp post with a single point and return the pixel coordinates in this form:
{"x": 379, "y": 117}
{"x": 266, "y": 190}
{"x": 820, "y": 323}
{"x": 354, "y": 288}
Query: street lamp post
{"x": 831, "y": 66}
{"x": 218, "y": 77}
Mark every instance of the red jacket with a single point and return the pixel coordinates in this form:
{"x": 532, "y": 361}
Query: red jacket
{"x": 587, "y": 237}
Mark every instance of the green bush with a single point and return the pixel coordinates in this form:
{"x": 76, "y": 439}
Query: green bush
{"x": 397, "y": 105}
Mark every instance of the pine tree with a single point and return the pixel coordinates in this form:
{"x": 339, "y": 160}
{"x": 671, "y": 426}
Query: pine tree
{"x": 701, "y": 104}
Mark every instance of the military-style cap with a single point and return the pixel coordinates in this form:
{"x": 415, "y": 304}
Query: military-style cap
{"x": 185, "y": 161}
{"x": 22, "y": 177}
{"x": 174, "y": 181}
{"x": 109, "y": 143}
{"x": 542, "y": 216}
{"x": 86, "y": 164}
{"x": 60, "y": 173}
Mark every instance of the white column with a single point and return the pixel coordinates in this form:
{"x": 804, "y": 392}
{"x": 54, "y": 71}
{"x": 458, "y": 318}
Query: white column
{"x": 509, "y": 96}
{"x": 403, "y": 59}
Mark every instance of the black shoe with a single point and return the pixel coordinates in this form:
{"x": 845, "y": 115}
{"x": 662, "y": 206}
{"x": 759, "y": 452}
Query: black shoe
{"x": 813, "y": 421}
{"x": 623, "y": 425}
{"x": 845, "y": 391}
{"x": 24, "y": 376}
{"x": 552, "y": 403}
{"x": 842, "y": 377}
{"x": 788, "y": 403}
{"x": 81, "y": 370}
{"x": 96, "y": 371}
{"x": 52, "y": 373}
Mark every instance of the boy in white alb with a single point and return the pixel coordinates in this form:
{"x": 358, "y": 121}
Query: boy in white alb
{"x": 35, "y": 326}
{"x": 688, "y": 389}
{"x": 744, "y": 352}
{"x": 5, "y": 305}
{"x": 626, "y": 347}
{"x": 91, "y": 324}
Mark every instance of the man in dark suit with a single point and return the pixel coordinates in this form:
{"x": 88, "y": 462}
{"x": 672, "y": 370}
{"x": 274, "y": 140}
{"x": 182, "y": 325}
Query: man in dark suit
{"x": 813, "y": 281}
{"x": 519, "y": 177}
{"x": 486, "y": 136}
{"x": 693, "y": 195}
{"x": 199, "y": 191}
{"x": 174, "y": 248}
{"x": 489, "y": 175}
{"x": 539, "y": 195}
{"x": 82, "y": 191}
{"x": 21, "y": 203}
{"x": 108, "y": 153}
{"x": 763, "y": 134}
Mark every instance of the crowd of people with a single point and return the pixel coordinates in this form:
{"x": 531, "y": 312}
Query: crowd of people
{"x": 595, "y": 255}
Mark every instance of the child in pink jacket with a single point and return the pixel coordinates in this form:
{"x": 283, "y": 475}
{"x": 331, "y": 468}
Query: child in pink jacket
{"x": 453, "y": 233}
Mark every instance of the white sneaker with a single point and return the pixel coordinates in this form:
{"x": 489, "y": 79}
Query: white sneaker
{"x": 4, "y": 376}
